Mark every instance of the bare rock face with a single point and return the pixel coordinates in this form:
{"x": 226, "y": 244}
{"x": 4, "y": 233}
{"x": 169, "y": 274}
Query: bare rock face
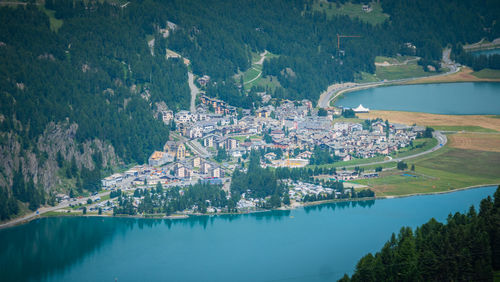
{"x": 41, "y": 164}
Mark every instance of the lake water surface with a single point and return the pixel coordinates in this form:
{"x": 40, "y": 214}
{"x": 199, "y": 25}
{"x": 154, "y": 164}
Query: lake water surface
{"x": 446, "y": 98}
{"x": 486, "y": 52}
{"x": 318, "y": 243}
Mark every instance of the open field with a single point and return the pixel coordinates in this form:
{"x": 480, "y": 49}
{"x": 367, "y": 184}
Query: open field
{"x": 469, "y": 141}
{"x": 412, "y": 69}
{"x": 464, "y": 75}
{"x": 55, "y": 24}
{"x": 376, "y": 16}
{"x": 425, "y": 119}
{"x": 446, "y": 169}
{"x": 466, "y": 128}
{"x": 252, "y": 76}
{"x": 487, "y": 74}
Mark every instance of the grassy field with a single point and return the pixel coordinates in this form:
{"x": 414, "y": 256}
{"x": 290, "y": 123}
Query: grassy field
{"x": 376, "y": 16}
{"x": 484, "y": 121}
{"x": 464, "y": 75}
{"x": 55, "y": 24}
{"x": 446, "y": 169}
{"x": 393, "y": 60}
{"x": 471, "y": 141}
{"x": 412, "y": 69}
{"x": 249, "y": 75}
{"x": 463, "y": 128}
{"x": 487, "y": 73}
{"x": 364, "y": 77}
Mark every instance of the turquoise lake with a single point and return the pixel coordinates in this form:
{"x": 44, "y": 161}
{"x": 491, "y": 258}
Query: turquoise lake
{"x": 446, "y": 98}
{"x": 487, "y": 52}
{"x": 318, "y": 243}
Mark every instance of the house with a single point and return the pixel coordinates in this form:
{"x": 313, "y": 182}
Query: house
{"x": 208, "y": 141}
{"x": 366, "y": 8}
{"x": 270, "y": 156}
{"x": 167, "y": 116}
{"x": 205, "y": 167}
{"x": 196, "y": 162}
{"x": 159, "y": 158}
{"x": 204, "y": 80}
{"x": 195, "y": 132}
{"x": 112, "y": 180}
{"x": 182, "y": 171}
{"x": 175, "y": 149}
{"x": 305, "y": 155}
{"x": 215, "y": 172}
{"x": 183, "y": 116}
{"x": 231, "y": 143}
{"x": 262, "y": 113}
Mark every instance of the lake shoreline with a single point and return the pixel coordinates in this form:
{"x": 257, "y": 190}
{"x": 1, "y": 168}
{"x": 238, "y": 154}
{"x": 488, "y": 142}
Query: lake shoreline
{"x": 286, "y": 208}
{"x": 463, "y": 75}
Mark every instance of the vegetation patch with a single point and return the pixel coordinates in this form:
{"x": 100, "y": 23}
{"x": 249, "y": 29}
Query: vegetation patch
{"x": 480, "y": 142}
{"x": 487, "y": 73}
{"x": 444, "y": 170}
{"x": 55, "y": 24}
{"x": 463, "y": 128}
{"x": 412, "y": 69}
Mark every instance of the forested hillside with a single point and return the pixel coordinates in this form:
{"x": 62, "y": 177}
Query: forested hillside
{"x": 95, "y": 80}
{"x": 466, "y": 248}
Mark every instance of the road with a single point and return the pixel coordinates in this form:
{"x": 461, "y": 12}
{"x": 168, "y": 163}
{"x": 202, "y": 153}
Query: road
{"x": 43, "y": 210}
{"x": 325, "y": 98}
{"x": 194, "y": 92}
{"x": 441, "y": 138}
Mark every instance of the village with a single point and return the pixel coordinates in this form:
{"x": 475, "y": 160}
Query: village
{"x": 208, "y": 145}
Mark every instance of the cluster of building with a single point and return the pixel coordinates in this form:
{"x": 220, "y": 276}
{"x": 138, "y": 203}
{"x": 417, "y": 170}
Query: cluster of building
{"x": 291, "y": 126}
{"x": 299, "y": 190}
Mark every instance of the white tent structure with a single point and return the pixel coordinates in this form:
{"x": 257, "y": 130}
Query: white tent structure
{"x": 361, "y": 109}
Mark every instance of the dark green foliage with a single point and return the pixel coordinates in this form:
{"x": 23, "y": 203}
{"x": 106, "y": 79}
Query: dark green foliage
{"x": 257, "y": 182}
{"x": 8, "y": 205}
{"x": 475, "y": 62}
{"x": 348, "y": 113}
{"x": 222, "y": 155}
{"x": 402, "y": 165}
{"x": 466, "y": 248}
{"x": 91, "y": 179}
{"x": 322, "y": 156}
{"x": 322, "y": 112}
{"x": 116, "y": 193}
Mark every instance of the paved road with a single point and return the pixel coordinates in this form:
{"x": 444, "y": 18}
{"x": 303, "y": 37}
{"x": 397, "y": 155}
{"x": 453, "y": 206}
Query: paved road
{"x": 324, "y": 100}
{"x": 441, "y": 138}
{"x": 43, "y": 210}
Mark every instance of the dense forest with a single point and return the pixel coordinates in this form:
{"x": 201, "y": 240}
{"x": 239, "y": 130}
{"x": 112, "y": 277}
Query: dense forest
{"x": 466, "y": 248}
